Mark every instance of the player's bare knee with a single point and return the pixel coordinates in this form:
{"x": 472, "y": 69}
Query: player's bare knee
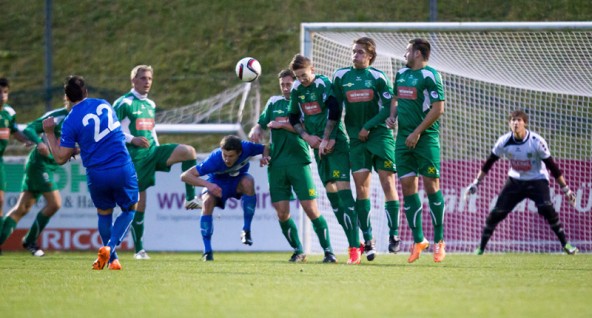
{"x": 247, "y": 185}
{"x": 51, "y": 208}
{"x": 186, "y": 152}
{"x": 208, "y": 206}
{"x": 312, "y": 214}
{"x": 19, "y": 211}
{"x": 431, "y": 185}
{"x": 282, "y": 215}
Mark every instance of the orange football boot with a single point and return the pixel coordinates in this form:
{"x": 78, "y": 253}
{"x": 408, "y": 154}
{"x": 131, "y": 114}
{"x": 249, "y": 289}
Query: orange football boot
{"x": 101, "y": 261}
{"x": 416, "y": 250}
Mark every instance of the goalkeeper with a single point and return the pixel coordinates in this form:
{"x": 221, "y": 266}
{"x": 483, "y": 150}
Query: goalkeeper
{"x": 528, "y": 178}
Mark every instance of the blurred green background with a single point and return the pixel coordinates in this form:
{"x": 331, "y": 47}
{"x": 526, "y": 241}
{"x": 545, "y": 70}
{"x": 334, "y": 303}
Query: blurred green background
{"x": 194, "y": 45}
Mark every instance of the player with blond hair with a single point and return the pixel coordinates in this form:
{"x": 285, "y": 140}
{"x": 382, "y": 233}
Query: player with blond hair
{"x": 137, "y": 112}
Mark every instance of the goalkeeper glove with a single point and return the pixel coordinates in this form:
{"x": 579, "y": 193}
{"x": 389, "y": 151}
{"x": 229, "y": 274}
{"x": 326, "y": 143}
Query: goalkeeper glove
{"x": 570, "y": 195}
{"x": 471, "y": 189}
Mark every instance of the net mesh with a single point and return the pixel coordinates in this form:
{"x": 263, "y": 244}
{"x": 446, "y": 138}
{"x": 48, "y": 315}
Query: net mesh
{"x": 486, "y": 75}
{"x": 235, "y": 105}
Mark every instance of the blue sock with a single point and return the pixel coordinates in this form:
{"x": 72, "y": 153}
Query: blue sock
{"x": 248, "y": 203}
{"x": 207, "y": 229}
{"x": 120, "y": 228}
{"x": 113, "y": 257}
{"x": 105, "y": 223}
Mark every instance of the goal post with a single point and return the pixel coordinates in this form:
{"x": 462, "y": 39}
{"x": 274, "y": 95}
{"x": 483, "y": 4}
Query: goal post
{"x": 488, "y": 69}
{"x": 228, "y": 112}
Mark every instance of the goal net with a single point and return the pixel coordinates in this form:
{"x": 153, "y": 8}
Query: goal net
{"x": 227, "y": 112}
{"x": 488, "y": 69}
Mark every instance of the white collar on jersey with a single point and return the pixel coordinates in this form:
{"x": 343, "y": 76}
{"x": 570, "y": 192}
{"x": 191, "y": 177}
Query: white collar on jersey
{"x": 138, "y": 95}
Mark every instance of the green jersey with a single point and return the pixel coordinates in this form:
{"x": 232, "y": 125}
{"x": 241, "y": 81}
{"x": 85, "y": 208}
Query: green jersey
{"x": 366, "y": 95}
{"x": 287, "y": 148}
{"x": 136, "y": 114}
{"x": 7, "y": 126}
{"x": 309, "y": 102}
{"x": 35, "y": 129}
{"x": 416, "y": 90}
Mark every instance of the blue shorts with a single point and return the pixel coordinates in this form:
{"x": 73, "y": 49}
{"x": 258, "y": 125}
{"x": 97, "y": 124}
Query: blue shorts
{"x": 229, "y": 187}
{"x": 112, "y": 186}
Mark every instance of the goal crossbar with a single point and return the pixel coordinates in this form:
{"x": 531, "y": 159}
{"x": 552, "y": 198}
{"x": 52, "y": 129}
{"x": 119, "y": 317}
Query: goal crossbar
{"x": 488, "y": 70}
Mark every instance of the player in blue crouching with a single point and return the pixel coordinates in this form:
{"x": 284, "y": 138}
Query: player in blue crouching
{"x": 226, "y": 170}
{"x": 111, "y": 177}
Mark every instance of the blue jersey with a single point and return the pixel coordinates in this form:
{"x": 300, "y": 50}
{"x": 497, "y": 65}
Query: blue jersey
{"x": 92, "y": 124}
{"x": 214, "y": 165}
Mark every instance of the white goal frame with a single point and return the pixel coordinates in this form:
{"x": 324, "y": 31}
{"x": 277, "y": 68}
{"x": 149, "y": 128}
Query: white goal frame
{"x": 307, "y": 37}
{"x": 308, "y": 29}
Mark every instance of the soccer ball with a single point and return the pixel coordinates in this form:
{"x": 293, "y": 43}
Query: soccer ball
{"x": 248, "y": 69}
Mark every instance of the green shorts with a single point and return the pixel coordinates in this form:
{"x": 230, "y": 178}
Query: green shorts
{"x": 156, "y": 160}
{"x": 38, "y": 178}
{"x": 377, "y": 152}
{"x": 334, "y": 166}
{"x": 283, "y": 179}
{"x": 423, "y": 160}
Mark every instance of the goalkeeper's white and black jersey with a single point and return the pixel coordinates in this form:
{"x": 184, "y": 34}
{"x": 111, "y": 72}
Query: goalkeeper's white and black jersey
{"x": 525, "y": 155}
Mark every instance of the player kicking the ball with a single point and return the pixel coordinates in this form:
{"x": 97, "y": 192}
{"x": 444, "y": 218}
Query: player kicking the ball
{"x": 529, "y": 158}
{"x": 111, "y": 178}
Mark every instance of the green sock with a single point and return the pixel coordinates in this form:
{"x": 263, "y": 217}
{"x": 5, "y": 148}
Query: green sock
{"x": 436, "y": 201}
{"x": 335, "y": 205}
{"x": 413, "y": 209}
{"x": 363, "y": 210}
{"x": 290, "y": 231}
{"x": 189, "y": 189}
{"x": 38, "y": 226}
{"x": 392, "y": 213}
{"x": 350, "y": 217}
{"x": 320, "y": 227}
{"x": 138, "y": 230}
{"x": 9, "y": 225}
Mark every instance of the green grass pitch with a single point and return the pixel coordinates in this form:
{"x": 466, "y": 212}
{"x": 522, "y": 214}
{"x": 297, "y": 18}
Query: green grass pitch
{"x": 61, "y": 284}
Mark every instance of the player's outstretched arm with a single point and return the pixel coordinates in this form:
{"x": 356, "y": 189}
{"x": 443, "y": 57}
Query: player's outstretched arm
{"x": 313, "y": 141}
{"x": 265, "y": 158}
{"x": 60, "y": 154}
{"x": 191, "y": 176}
{"x": 392, "y": 119}
{"x": 18, "y": 135}
{"x": 570, "y": 195}
{"x": 141, "y": 142}
{"x": 256, "y": 134}
{"x": 558, "y": 175}
{"x": 472, "y": 188}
